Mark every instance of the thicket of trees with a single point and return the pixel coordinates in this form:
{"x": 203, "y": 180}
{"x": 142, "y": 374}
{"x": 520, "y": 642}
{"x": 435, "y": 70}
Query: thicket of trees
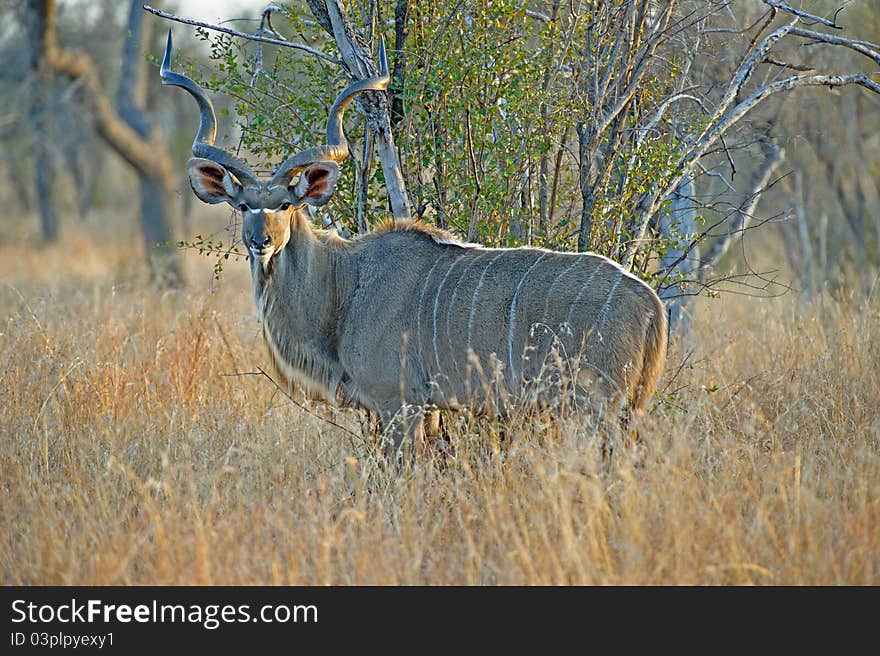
{"x": 643, "y": 130}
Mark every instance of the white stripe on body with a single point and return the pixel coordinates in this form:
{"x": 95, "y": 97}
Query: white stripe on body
{"x": 470, "y": 332}
{"x": 512, "y": 320}
{"x": 436, "y": 303}
{"x": 421, "y": 304}
{"x": 577, "y": 260}
{"x": 582, "y": 290}
{"x": 603, "y": 313}
{"x": 452, "y": 304}
{"x": 602, "y": 258}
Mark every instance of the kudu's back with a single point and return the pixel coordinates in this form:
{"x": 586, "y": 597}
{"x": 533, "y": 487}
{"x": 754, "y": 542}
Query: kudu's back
{"x": 434, "y": 321}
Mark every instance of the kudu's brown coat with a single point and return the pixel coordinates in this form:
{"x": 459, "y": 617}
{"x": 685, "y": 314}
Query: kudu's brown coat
{"x": 408, "y": 317}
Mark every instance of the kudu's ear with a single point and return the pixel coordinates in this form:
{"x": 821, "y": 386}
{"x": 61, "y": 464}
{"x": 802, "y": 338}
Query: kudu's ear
{"x": 316, "y": 184}
{"x": 211, "y": 182}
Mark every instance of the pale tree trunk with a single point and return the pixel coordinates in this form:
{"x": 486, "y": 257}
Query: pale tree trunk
{"x": 359, "y": 61}
{"x": 823, "y": 250}
{"x": 682, "y": 264}
{"x": 808, "y": 277}
{"x": 746, "y": 210}
{"x": 682, "y": 257}
{"x": 363, "y": 183}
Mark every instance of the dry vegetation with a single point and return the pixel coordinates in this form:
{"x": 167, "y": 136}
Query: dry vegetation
{"x": 129, "y": 453}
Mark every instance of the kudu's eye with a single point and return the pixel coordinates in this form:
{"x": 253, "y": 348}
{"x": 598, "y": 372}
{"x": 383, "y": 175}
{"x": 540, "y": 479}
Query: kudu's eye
{"x": 285, "y": 206}
{"x": 242, "y": 207}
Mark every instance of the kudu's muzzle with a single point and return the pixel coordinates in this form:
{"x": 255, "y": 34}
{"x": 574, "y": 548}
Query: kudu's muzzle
{"x": 258, "y": 235}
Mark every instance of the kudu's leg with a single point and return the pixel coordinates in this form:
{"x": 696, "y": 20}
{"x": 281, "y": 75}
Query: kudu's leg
{"x": 432, "y": 422}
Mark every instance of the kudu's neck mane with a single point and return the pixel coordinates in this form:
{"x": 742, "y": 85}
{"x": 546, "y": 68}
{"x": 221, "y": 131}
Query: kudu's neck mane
{"x": 299, "y": 297}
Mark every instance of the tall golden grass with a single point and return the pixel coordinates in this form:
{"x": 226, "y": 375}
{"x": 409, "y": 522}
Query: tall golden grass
{"x": 136, "y": 447}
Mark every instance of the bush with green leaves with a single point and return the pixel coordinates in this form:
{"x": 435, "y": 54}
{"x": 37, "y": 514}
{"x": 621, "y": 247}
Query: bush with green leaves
{"x": 489, "y": 141}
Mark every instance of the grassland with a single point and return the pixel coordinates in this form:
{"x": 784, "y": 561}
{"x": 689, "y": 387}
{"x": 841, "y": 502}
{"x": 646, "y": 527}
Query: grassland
{"x": 137, "y": 447}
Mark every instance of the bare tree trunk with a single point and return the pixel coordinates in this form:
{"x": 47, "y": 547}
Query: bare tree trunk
{"x": 44, "y": 181}
{"x": 398, "y": 74}
{"x": 39, "y": 14}
{"x": 545, "y": 209}
{"x": 554, "y": 187}
{"x": 823, "y": 251}
{"x": 438, "y": 134}
{"x": 21, "y": 191}
{"x": 363, "y": 183}
{"x": 82, "y": 175}
{"x": 125, "y": 128}
{"x": 803, "y": 234}
{"x": 357, "y": 57}
{"x": 156, "y": 190}
{"x": 792, "y": 253}
{"x": 80, "y": 184}
{"x": 682, "y": 261}
{"x": 682, "y": 257}
{"x": 586, "y": 174}
{"x": 745, "y": 212}
{"x": 595, "y": 165}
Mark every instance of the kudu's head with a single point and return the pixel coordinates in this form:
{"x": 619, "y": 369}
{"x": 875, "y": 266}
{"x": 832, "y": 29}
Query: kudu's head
{"x": 267, "y": 206}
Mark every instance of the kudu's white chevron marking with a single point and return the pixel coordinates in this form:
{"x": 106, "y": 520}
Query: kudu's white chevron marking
{"x": 512, "y": 319}
{"x": 336, "y": 312}
{"x": 436, "y": 303}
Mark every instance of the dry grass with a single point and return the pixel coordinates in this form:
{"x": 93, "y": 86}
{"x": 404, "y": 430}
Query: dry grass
{"x": 129, "y": 454}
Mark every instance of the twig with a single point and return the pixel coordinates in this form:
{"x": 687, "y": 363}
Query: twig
{"x": 265, "y": 20}
{"x": 242, "y": 35}
{"x": 803, "y": 14}
{"x": 537, "y": 15}
{"x": 795, "y": 67}
{"x": 262, "y": 372}
{"x": 671, "y": 380}
{"x": 865, "y": 48}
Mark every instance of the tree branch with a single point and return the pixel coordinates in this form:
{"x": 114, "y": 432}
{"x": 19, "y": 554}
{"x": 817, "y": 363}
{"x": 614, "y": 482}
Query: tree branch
{"x": 719, "y": 127}
{"x": 745, "y": 211}
{"x": 802, "y": 14}
{"x": 145, "y": 155}
{"x": 863, "y": 47}
{"x": 358, "y": 60}
{"x": 242, "y": 35}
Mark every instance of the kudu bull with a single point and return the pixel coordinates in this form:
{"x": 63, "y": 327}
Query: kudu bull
{"x": 407, "y": 317}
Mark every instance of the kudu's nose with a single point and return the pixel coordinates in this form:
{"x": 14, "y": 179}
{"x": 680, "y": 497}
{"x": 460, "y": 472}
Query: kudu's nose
{"x": 258, "y": 242}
